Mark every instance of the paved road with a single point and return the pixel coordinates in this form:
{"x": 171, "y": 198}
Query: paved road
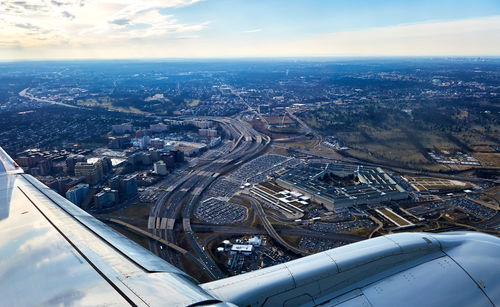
{"x": 270, "y": 229}
{"x": 147, "y": 234}
{"x": 492, "y": 223}
{"x": 24, "y": 93}
{"x": 242, "y": 156}
{"x": 181, "y": 197}
{"x": 317, "y": 137}
{"x": 288, "y": 232}
{"x": 162, "y": 242}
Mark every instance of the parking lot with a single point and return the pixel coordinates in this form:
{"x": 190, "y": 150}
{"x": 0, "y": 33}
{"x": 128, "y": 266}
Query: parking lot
{"x": 469, "y": 206}
{"x": 318, "y": 245}
{"x": 215, "y": 211}
{"x": 341, "y": 226}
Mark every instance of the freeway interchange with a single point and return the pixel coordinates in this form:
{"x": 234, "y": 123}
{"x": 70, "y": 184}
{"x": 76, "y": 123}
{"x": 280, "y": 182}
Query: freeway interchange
{"x": 170, "y": 217}
{"x": 176, "y": 203}
{"x": 173, "y": 236}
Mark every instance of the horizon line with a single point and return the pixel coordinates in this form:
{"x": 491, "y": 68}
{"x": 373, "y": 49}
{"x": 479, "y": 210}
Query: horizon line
{"x": 304, "y": 57}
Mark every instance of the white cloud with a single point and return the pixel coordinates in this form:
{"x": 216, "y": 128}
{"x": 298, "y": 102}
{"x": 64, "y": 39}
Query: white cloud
{"x": 252, "y": 31}
{"x": 126, "y": 29}
{"x": 37, "y": 23}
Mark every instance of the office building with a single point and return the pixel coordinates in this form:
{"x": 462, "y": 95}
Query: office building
{"x": 78, "y": 193}
{"x": 105, "y": 198}
{"x": 91, "y": 171}
{"x": 160, "y": 168}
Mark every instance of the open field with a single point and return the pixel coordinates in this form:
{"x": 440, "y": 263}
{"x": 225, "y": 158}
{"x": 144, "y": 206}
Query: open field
{"x": 192, "y": 102}
{"x": 276, "y": 134}
{"x": 392, "y": 147}
{"x": 301, "y": 143}
{"x": 475, "y": 138}
{"x": 278, "y": 120}
{"x": 361, "y": 232}
{"x": 278, "y": 150}
{"x": 482, "y": 148}
{"x": 135, "y": 210}
{"x": 493, "y": 193}
{"x": 292, "y": 240}
{"x": 489, "y": 159}
{"x": 107, "y": 105}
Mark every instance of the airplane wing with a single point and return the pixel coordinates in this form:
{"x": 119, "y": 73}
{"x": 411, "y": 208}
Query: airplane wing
{"x": 54, "y": 253}
{"x": 409, "y": 269}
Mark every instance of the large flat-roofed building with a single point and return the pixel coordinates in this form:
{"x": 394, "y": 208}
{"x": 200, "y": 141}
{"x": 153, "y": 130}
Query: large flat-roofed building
{"x": 93, "y": 172}
{"x": 77, "y": 194}
{"x": 240, "y": 248}
{"x": 126, "y": 186}
{"x": 342, "y": 185}
{"x": 105, "y": 198}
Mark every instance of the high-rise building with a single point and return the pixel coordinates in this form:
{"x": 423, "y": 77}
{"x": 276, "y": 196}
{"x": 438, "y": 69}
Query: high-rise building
{"x": 160, "y": 168}
{"x": 105, "y": 198}
{"x": 155, "y": 154}
{"x": 107, "y": 165}
{"x": 199, "y": 123}
{"x": 144, "y": 142}
{"x": 125, "y": 186}
{"x": 119, "y": 142}
{"x": 91, "y": 171}
{"x": 157, "y": 143}
{"x": 45, "y": 167}
{"x": 59, "y": 184}
{"x": 146, "y": 158}
{"x": 78, "y": 193}
{"x": 71, "y": 162}
{"x": 169, "y": 159}
{"x": 178, "y": 154}
{"x": 128, "y": 186}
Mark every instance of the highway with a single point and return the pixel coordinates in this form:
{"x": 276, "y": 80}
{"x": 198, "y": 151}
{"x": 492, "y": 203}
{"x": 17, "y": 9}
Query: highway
{"x": 317, "y": 137}
{"x": 24, "y": 93}
{"x": 147, "y": 234}
{"x": 175, "y": 206}
{"x": 159, "y": 240}
{"x": 270, "y": 229}
{"x": 176, "y": 203}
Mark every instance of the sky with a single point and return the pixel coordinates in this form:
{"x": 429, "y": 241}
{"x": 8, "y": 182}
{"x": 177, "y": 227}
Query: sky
{"x": 112, "y": 29}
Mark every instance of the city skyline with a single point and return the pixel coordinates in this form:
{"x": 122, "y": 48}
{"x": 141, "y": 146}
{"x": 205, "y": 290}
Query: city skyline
{"x": 233, "y": 29}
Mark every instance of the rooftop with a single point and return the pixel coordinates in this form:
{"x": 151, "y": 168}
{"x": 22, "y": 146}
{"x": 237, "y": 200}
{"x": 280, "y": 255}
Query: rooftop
{"x": 340, "y": 183}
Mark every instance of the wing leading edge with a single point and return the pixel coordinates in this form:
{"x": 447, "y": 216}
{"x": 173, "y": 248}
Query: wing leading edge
{"x": 63, "y": 256}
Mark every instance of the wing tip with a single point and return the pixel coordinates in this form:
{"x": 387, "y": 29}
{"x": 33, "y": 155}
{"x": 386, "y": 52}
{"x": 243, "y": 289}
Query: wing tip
{"x": 7, "y": 164}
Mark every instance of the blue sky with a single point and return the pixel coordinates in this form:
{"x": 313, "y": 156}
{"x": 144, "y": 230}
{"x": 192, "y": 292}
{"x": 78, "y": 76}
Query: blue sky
{"x": 241, "y": 28}
{"x": 306, "y": 17}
